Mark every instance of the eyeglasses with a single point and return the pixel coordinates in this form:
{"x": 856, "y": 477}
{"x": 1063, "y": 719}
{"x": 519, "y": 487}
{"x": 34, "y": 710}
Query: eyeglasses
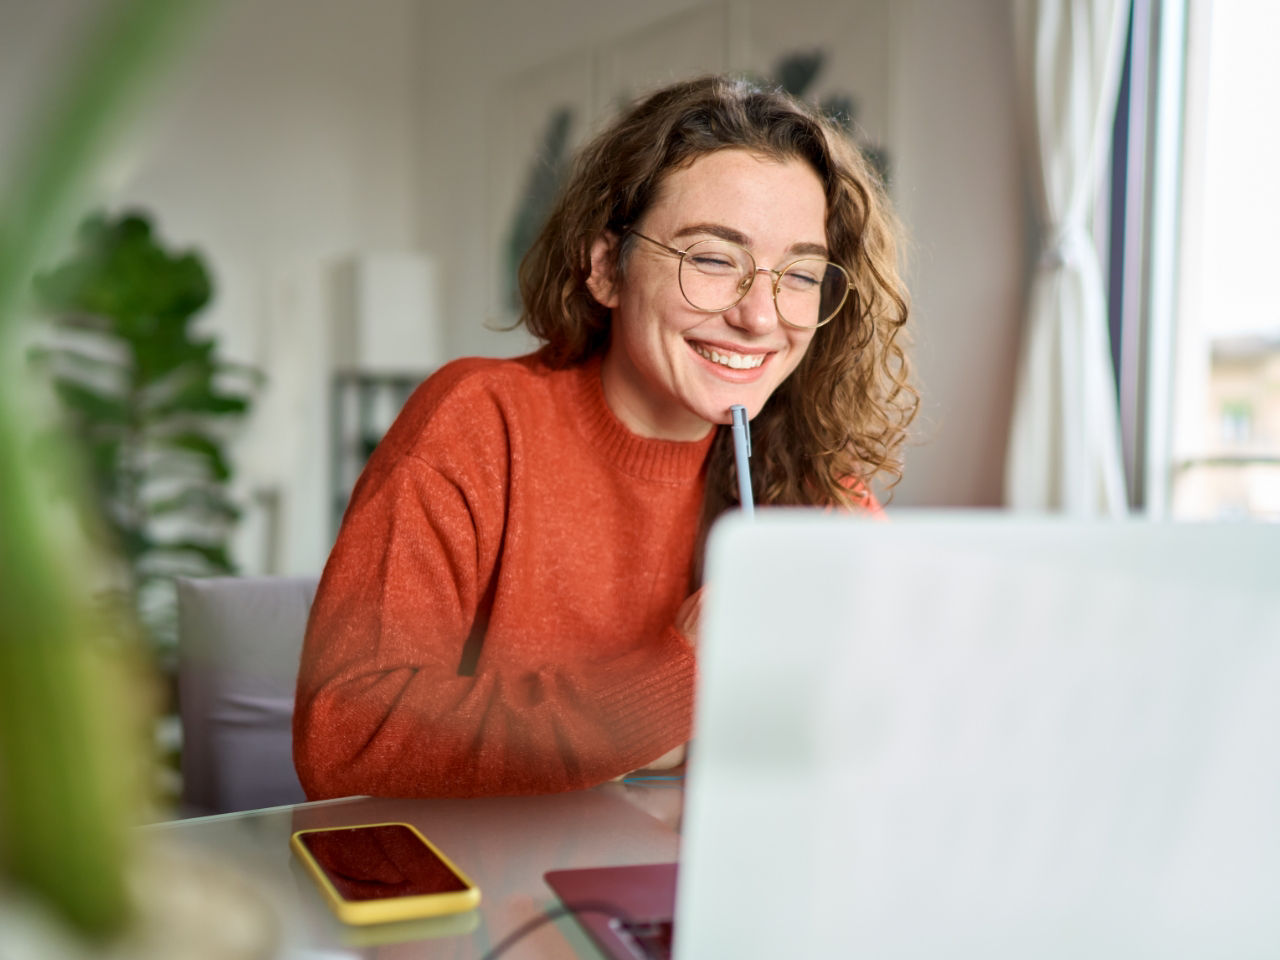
{"x": 716, "y": 274}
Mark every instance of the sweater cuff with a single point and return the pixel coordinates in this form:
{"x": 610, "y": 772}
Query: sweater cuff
{"x": 649, "y": 709}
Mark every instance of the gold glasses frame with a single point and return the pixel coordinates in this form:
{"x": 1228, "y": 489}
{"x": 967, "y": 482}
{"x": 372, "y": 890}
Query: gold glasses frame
{"x": 748, "y": 281}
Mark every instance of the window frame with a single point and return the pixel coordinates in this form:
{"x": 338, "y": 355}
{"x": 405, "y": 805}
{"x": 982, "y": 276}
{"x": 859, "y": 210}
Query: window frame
{"x": 1144, "y": 217}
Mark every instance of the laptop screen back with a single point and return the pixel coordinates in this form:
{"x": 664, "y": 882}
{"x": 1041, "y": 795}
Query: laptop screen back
{"x": 976, "y": 735}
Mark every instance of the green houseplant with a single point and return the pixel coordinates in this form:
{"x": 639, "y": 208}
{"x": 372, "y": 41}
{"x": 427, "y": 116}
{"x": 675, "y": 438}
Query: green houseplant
{"x": 147, "y": 396}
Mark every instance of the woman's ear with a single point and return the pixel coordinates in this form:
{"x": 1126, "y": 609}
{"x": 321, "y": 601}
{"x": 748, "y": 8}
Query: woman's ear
{"x": 603, "y": 281}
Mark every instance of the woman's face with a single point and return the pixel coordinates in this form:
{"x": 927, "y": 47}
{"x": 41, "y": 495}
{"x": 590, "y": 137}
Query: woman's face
{"x": 660, "y": 376}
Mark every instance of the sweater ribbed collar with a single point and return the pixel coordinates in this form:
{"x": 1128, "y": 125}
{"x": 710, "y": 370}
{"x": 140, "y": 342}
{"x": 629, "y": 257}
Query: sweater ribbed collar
{"x": 669, "y": 461}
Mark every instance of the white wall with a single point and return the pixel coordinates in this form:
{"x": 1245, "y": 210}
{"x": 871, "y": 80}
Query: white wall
{"x": 299, "y": 131}
{"x": 963, "y": 195}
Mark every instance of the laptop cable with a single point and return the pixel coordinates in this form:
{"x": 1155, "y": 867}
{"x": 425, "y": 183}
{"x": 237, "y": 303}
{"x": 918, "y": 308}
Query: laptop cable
{"x": 550, "y": 916}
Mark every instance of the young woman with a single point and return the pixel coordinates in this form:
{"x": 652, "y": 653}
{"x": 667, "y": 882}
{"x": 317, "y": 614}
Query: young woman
{"x": 511, "y": 605}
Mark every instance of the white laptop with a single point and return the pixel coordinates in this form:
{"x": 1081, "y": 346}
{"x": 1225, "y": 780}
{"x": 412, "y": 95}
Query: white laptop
{"x": 978, "y": 735}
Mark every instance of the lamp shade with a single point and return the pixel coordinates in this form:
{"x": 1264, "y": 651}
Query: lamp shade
{"x": 387, "y": 315}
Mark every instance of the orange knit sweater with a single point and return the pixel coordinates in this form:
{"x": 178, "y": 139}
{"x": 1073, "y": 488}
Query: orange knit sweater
{"x": 496, "y": 615}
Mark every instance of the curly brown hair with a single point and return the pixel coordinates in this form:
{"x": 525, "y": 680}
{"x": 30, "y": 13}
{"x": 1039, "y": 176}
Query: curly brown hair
{"x": 841, "y": 418}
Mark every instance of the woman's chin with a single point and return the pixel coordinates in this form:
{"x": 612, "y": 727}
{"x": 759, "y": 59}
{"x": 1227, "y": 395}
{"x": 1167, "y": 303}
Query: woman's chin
{"x": 715, "y": 406}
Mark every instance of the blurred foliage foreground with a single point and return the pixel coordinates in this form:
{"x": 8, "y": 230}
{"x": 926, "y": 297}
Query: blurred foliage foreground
{"x": 71, "y": 691}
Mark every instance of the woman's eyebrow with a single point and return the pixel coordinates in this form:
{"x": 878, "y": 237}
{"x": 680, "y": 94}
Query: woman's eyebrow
{"x": 815, "y": 249}
{"x": 722, "y": 232}
{"x": 716, "y": 230}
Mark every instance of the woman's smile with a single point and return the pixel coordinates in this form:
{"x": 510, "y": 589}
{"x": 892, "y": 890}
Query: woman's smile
{"x": 729, "y": 357}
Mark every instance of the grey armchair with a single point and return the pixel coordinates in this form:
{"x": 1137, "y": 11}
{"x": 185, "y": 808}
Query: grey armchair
{"x": 239, "y": 640}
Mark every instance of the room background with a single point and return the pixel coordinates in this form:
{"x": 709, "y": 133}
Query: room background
{"x": 303, "y": 143}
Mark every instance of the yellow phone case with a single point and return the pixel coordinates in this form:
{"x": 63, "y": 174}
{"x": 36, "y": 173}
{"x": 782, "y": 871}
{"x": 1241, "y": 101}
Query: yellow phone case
{"x": 391, "y": 909}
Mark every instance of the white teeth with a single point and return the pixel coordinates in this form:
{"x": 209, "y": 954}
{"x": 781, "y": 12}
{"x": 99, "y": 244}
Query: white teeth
{"x": 735, "y": 361}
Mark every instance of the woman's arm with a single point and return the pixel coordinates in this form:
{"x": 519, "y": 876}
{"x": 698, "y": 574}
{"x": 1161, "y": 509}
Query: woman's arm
{"x": 384, "y": 703}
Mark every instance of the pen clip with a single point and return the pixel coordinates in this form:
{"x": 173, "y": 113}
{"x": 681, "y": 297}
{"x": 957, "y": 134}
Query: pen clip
{"x": 741, "y": 422}
{"x": 741, "y": 454}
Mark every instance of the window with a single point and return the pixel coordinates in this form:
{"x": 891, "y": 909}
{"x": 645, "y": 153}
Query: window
{"x": 1237, "y": 423}
{"x": 1226, "y": 414}
{"x": 1194, "y": 255}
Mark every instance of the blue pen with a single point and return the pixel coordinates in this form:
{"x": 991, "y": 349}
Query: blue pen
{"x": 741, "y": 454}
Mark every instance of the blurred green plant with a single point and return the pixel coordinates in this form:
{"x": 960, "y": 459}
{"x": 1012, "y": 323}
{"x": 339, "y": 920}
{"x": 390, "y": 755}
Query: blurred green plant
{"x": 65, "y": 763}
{"x": 146, "y": 396}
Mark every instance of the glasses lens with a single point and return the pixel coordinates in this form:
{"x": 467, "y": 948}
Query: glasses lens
{"x": 811, "y": 292}
{"x": 714, "y": 274}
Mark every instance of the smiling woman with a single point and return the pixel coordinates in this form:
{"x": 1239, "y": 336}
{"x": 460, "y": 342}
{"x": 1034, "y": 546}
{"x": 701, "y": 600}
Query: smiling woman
{"x": 675, "y": 364}
{"x": 512, "y": 603}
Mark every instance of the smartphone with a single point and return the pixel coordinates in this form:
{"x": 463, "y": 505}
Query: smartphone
{"x": 383, "y": 872}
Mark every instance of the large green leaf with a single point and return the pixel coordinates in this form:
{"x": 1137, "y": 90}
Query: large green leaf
{"x": 201, "y": 446}
{"x": 170, "y": 352}
{"x": 94, "y": 405}
{"x": 210, "y": 502}
{"x": 121, "y": 272}
{"x": 159, "y": 390}
{"x": 81, "y": 357}
{"x": 198, "y": 399}
{"x": 213, "y": 556}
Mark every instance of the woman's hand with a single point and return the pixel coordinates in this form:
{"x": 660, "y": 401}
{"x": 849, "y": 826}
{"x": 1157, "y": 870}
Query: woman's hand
{"x": 672, "y": 758}
{"x": 687, "y": 617}
{"x": 668, "y": 761}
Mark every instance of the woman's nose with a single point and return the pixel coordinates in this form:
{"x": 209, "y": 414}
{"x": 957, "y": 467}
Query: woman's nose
{"x": 755, "y": 313}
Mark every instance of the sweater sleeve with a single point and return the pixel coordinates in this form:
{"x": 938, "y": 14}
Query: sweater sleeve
{"x": 392, "y": 699}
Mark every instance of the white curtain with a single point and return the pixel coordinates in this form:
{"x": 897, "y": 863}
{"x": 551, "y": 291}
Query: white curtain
{"x": 1064, "y": 441}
